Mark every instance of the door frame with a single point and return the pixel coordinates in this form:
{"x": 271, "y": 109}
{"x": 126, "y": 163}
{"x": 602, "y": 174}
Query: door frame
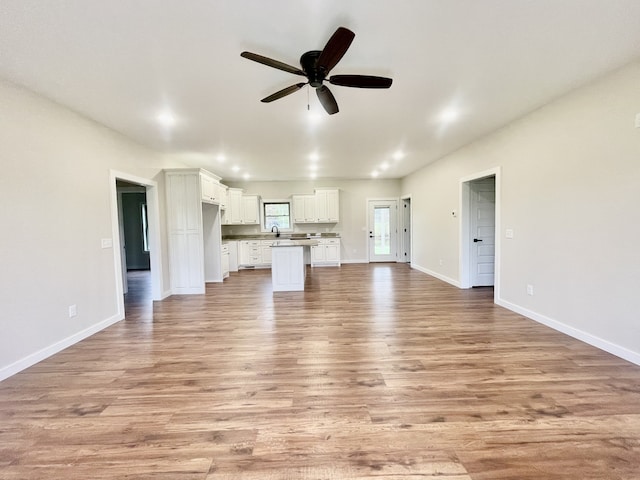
{"x": 464, "y": 227}
{"x": 368, "y": 226}
{"x": 406, "y": 199}
{"x": 155, "y": 244}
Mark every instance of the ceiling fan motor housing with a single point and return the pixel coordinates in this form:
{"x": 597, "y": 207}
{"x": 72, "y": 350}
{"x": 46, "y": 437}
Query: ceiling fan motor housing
{"x": 309, "y": 61}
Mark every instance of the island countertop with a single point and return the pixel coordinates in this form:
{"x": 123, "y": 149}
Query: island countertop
{"x": 294, "y": 243}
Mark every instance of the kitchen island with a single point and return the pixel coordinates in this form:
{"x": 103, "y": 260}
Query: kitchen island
{"x": 288, "y": 269}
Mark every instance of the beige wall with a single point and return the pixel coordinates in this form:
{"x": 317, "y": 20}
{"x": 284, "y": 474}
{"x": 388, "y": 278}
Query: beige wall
{"x": 570, "y": 191}
{"x": 353, "y": 208}
{"x": 54, "y": 210}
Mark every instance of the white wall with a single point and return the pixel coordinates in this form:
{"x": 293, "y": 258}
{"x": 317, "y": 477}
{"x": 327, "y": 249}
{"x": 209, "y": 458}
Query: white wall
{"x": 570, "y": 191}
{"x": 54, "y": 211}
{"x": 353, "y": 208}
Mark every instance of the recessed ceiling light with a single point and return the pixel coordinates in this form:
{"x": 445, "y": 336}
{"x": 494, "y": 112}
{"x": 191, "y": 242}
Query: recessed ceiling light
{"x": 314, "y": 157}
{"x": 384, "y": 166}
{"x": 313, "y": 168}
{"x": 374, "y": 174}
{"x": 313, "y": 175}
{"x": 449, "y": 115}
{"x": 314, "y": 117}
{"x": 398, "y": 155}
{"x": 166, "y": 119}
{"x": 235, "y": 168}
{"x": 221, "y": 158}
{"x": 246, "y": 176}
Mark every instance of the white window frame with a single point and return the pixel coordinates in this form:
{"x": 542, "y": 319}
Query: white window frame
{"x": 276, "y": 200}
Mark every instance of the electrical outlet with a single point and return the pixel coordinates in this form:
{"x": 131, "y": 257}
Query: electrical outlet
{"x": 508, "y": 233}
{"x": 529, "y": 289}
{"x": 441, "y": 262}
{"x": 73, "y": 311}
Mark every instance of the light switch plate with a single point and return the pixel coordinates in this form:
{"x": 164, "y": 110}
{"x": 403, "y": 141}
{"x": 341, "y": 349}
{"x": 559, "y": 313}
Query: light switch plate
{"x": 508, "y": 233}
{"x": 106, "y": 243}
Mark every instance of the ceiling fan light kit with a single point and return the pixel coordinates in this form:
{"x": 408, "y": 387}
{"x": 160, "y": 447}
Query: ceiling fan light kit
{"x": 316, "y": 65}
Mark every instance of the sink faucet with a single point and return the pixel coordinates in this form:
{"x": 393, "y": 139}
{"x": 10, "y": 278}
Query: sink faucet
{"x": 277, "y": 230}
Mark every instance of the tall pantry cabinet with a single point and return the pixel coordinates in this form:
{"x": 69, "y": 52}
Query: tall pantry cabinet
{"x": 194, "y": 230}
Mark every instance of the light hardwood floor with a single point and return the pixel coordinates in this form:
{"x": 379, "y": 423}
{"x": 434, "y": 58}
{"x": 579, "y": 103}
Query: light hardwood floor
{"x": 375, "y": 372}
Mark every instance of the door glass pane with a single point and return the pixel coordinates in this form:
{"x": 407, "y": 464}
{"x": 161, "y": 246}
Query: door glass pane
{"x": 381, "y": 230}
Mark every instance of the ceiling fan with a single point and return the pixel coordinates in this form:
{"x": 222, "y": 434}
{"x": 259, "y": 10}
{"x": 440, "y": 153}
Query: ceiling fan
{"x": 316, "y": 65}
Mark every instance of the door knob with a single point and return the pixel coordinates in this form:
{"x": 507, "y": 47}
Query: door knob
{"x": 475, "y": 240}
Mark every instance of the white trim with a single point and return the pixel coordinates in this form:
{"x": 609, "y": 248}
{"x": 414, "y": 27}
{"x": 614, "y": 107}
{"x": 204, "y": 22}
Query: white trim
{"x": 354, "y": 260}
{"x": 155, "y": 245}
{"x": 464, "y": 239}
{"x": 617, "y": 350}
{"x": 403, "y": 226}
{"x": 46, "y": 352}
{"x": 437, "y": 275}
{"x": 368, "y": 243}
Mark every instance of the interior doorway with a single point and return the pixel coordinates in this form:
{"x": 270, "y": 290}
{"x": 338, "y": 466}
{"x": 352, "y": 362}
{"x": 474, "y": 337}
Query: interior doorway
{"x": 148, "y": 284}
{"x": 133, "y": 227}
{"x": 405, "y": 230}
{"x": 382, "y": 227}
{"x": 479, "y": 230}
{"x": 482, "y": 211}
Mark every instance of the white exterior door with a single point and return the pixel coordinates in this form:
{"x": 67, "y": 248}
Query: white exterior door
{"x": 483, "y": 228}
{"x": 383, "y": 230}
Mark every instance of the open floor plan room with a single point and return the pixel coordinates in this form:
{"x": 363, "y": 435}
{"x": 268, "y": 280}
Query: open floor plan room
{"x": 375, "y": 371}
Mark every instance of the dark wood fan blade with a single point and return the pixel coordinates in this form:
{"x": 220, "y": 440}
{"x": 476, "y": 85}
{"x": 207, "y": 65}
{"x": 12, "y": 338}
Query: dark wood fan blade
{"x": 360, "y": 81}
{"x": 270, "y": 62}
{"x": 283, "y": 93}
{"x": 335, "y": 48}
{"x": 327, "y": 100}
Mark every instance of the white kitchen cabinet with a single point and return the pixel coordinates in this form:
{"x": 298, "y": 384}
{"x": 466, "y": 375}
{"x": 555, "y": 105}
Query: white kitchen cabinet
{"x": 225, "y": 260}
{"x": 250, "y": 210}
{"x": 241, "y": 209}
{"x": 321, "y": 207}
{"x": 233, "y": 213}
{"x": 210, "y": 187}
{"x": 223, "y": 196}
{"x": 326, "y": 253}
{"x": 304, "y": 209}
{"x": 255, "y": 253}
{"x": 327, "y": 205}
{"x": 265, "y": 251}
{"x": 194, "y": 232}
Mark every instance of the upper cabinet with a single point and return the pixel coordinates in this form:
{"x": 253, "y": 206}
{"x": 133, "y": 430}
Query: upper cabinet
{"x": 321, "y": 207}
{"x": 241, "y": 209}
{"x": 304, "y": 209}
{"x": 328, "y": 205}
{"x": 211, "y": 190}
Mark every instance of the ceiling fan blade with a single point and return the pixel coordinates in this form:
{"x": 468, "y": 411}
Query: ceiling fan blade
{"x": 272, "y": 63}
{"x": 360, "y": 81}
{"x": 327, "y": 100}
{"x": 335, "y": 48}
{"x": 283, "y": 93}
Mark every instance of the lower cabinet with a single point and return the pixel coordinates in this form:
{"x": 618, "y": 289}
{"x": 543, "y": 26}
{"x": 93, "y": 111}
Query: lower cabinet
{"x": 326, "y": 253}
{"x": 225, "y": 260}
{"x": 255, "y": 253}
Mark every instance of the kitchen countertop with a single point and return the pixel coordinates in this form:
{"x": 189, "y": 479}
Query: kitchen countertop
{"x": 283, "y": 236}
{"x": 295, "y": 243}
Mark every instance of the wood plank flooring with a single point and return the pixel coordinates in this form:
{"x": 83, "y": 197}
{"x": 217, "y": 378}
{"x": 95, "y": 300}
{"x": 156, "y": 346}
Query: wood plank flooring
{"x": 375, "y": 372}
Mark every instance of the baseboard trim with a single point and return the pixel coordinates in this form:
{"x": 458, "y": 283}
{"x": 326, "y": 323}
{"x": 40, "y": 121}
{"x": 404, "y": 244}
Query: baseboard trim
{"x": 355, "y": 260}
{"x": 594, "y": 341}
{"x": 32, "y": 359}
{"x": 437, "y": 275}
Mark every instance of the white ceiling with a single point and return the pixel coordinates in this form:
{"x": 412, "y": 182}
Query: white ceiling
{"x": 122, "y": 62}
